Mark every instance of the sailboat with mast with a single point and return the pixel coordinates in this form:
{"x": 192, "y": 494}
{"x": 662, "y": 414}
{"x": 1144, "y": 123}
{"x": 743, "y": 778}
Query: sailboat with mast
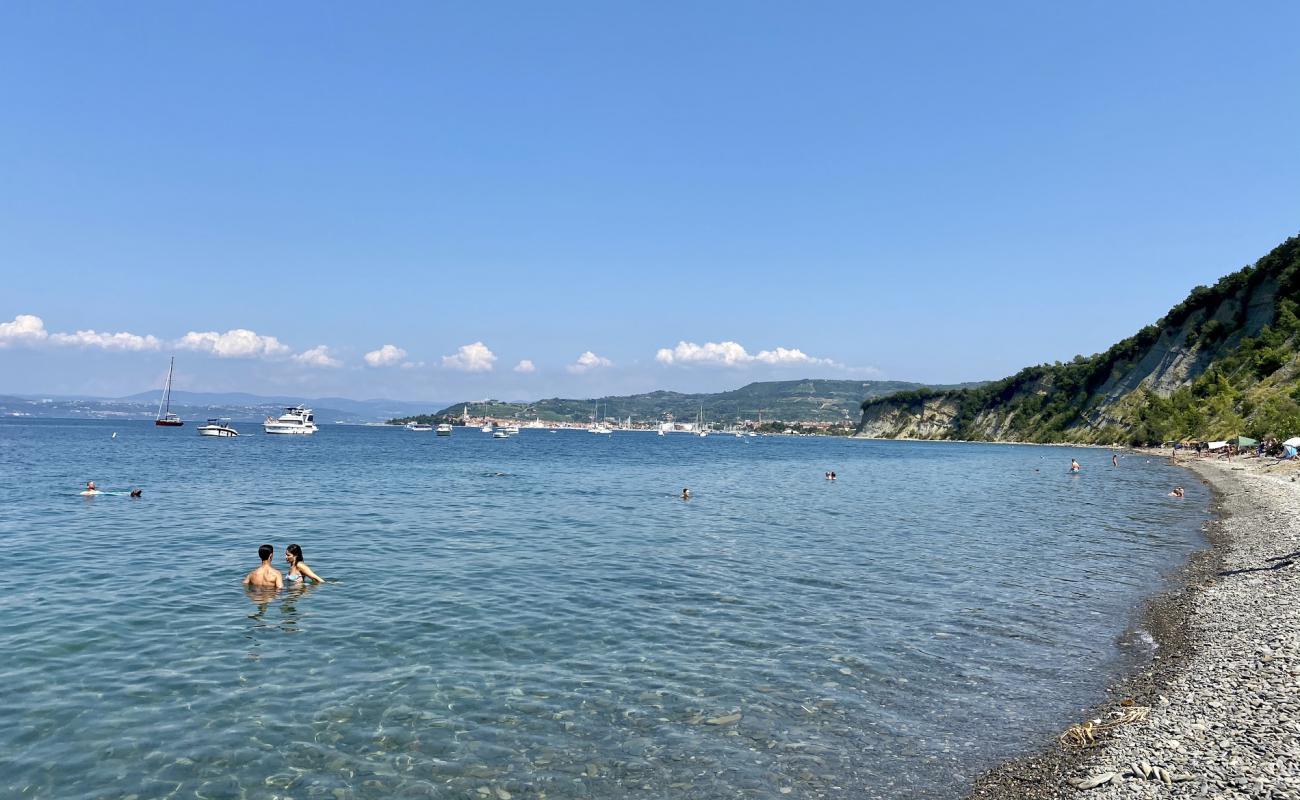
{"x": 166, "y": 419}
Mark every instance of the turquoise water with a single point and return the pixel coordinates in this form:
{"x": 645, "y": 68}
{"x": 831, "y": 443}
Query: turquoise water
{"x": 543, "y": 615}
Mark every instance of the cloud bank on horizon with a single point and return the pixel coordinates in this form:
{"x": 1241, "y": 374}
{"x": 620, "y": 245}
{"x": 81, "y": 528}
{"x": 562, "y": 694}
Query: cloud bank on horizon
{"x": 473, "y": 359}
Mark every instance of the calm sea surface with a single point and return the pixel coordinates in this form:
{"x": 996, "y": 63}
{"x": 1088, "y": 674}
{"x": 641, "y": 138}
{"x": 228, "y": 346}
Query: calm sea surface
{"x": 543, "y": 615}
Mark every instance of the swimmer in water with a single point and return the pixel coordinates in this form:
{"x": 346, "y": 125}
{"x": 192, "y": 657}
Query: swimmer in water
{"x": 90, "y": 491}
{"x": 298, "y": 569}
{"x": 265, "y": 576}
{"x": 1114, "y": 460}
{"x": 137, "y": 492}
{"x": 1074, "y": 465}
{"x": 686, "y": 494}
{"x": 1177, "y": 492}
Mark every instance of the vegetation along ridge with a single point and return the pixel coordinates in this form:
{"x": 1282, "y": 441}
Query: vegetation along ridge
{"x": 1223, "y": 362}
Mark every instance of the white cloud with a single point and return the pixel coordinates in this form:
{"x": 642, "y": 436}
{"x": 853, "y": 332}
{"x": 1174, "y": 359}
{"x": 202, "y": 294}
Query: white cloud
{"x": 25, "y": 329}
{"x": 237, "y": 343}
{"x": 731, "y": 354}
{"x": 474, "y": 357}
{"x": 525, "y": 366}
{"x": 318, "y": 356}
{"x": 386, "y": 356}
{"x": 587, "y": 362}
{"x": 29, "y": 329}
{"x": 108, "y": 341}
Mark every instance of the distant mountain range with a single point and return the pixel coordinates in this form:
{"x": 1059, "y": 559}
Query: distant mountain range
{"x": 201, "y": 405}
{"x": 807, "y": 400}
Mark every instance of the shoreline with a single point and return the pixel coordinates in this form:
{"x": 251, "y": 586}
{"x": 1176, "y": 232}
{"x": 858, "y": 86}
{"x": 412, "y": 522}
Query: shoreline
{"x": 1223, "y": 686}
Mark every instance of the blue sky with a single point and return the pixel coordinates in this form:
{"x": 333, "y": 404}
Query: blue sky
{"x": 696, "y": 195}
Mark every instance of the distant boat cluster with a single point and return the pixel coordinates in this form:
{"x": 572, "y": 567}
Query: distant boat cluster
{"x": 297, "y": 419}
{"x": 300, "y": 421}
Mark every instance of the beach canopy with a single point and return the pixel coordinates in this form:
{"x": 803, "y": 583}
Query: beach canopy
{"x": 1244, "y": 441}
{"x": 1294, "y": 441}
{"x": 1217, "y": 445}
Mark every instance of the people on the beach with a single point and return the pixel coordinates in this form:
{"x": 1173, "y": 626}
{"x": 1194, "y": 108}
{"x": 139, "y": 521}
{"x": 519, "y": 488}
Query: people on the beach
{"x": 686, "y": 494}
{"x": 1074, "y": 465}
{"x": 298, "y": 569}
{"x": 265, "y": 576}
{"x": 1177, "y": 492}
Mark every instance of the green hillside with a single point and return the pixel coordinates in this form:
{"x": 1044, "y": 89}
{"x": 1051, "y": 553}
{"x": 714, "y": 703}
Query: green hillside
{"x": 807, "y": 400}
{"x": 1221, "y": 363}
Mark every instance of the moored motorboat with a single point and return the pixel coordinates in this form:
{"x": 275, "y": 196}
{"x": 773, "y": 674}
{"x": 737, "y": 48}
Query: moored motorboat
{"x": 219, "y": 427}
{"x": 500, "y": 433}
{"x": 419, "y": 426}
{"x": 295, "y": 420}
{"x": 444, "y": 429}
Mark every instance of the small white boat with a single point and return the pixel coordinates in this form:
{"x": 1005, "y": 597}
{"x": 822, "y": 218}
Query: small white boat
{"x": 422, "y": 427}
{"x": 512, "y": 429}
{"x": 598, "y": 428}
{"x": 295, "y": 420}
{"x": 661, "y": 431}
{"x": 444, "y": 429}
{"x": 218, "y": 426}
{"x": 486, "y": 429}
{"x": 500, "y": 433}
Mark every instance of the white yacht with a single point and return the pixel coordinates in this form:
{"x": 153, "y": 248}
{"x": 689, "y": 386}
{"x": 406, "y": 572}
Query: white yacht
{"x": 444, "y": 429}
{"x": 218, "y": 426}
{"x": 295, "y": 419}
{"x": 500, "y": 433}
{"x": 419, "y": 426}
{"x": 512, "y": 429}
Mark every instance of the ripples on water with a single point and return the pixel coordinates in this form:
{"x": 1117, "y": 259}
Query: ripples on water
{"x": 541, "y": 614}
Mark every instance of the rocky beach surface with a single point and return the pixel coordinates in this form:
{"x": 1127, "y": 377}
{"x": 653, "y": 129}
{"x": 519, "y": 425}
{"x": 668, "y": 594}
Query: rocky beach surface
{"x": 1217, "y": 713}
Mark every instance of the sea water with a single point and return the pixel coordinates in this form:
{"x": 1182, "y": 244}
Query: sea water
{"x": 545, "y": 615}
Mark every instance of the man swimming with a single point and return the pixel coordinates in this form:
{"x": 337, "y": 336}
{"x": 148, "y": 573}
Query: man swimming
{"x": 1074, "y": 465}
{"x": 686, "y": 494}
{"x": 265, "y": 576}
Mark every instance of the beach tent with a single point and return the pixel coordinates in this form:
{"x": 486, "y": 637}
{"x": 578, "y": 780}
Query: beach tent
{"x": 1294, "y": 441}
{"x": 1245, "y": 441}
{"x": 1216, "y": 445}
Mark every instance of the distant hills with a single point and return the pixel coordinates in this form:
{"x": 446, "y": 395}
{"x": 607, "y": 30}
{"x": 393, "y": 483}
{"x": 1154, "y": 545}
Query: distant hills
{"x": 807, "y": 400}
{"x": 201, "y": 405}
{"x": 1224, "y": 362}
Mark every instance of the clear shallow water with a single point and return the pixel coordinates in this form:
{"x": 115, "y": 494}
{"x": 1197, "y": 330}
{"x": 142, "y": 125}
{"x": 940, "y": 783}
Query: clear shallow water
{"x": 542, "y": 615}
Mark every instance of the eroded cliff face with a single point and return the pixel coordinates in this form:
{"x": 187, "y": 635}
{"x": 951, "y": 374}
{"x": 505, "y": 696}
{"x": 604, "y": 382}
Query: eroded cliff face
{"x": 1177, "y": 356}
{"x": 925, "y": 420}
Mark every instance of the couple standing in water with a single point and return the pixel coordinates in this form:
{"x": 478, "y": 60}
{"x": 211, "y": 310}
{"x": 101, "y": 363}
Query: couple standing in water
{"x": 267, "y": 576}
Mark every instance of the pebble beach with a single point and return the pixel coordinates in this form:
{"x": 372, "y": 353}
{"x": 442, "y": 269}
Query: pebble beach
{"x": 1217, "y": 712}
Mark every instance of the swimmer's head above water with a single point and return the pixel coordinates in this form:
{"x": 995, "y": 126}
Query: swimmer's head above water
{"x": 686, "y": 494}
